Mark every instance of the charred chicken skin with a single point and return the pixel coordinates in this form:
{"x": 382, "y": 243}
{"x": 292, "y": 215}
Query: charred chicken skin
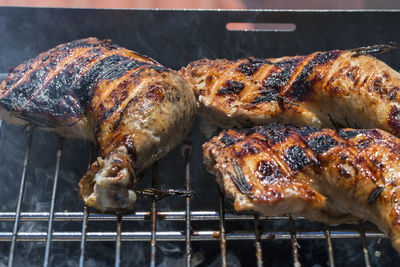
{"x": 323, "y": 89}
{"x": 134, "y": 108}
{"x": 332, "y": 176}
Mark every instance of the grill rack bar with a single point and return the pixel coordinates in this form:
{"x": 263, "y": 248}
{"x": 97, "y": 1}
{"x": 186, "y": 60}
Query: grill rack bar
{"x": 118, "y": 243}
{"x": 205, "y": 235}
{"x": 83, "y": 238}
{"x": 364, "y": 244}
{"x": 85, "y": 218}
{"x": 257, "y": 241}
{"x": 153, "y": 242}
{"x": 186, "y": 153}
{"x": 295, "y": 245}
{"x": 53, "y": 203}
{"x": 330, "y": 247}
{"x": 17, "y": 213}
{"x": 222, "y": 231}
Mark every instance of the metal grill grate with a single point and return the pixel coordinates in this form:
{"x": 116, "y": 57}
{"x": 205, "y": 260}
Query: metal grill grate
{"x": 187, "y": 235}
{"x": 168, "y": 31}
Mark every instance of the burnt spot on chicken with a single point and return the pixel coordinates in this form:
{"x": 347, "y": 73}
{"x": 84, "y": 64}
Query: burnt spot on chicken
{"x": 107, "y": 113}
{"x": 247, "y": 149}
{"x": 347, "y": 134}
{"x": 392, "y": 92}
{"x": 303, "y": 131}
{"x": 228, "y": 140}
{"x": 268, "y": 171}
{"x": 296, "y": 158}
{"x": 273, "y": 133}
{"x": 352, "y": 73}
{"x": 250, "y": 67}
{"x": 394, "y": 119}
{"x": 301, "y": 87}
{"x": 231, "y": 87}
{"x": 365, "y": 143}
{"x": 321, "y": 143}
{"x": 266, "y": 95}
{"x": 276, "y": 79}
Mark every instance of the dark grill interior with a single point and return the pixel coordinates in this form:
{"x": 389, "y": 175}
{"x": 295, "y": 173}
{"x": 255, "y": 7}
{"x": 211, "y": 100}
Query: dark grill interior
{"x": 42, "y": 220}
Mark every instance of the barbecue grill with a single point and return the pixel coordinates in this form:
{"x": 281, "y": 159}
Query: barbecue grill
{"x": 42, "y": 221}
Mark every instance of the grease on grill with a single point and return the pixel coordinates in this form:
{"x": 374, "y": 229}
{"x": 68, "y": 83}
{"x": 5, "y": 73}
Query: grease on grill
{"x": 231, "y": 87}
{"x": 296, "y": 158}
{"x": 321, "y": 143}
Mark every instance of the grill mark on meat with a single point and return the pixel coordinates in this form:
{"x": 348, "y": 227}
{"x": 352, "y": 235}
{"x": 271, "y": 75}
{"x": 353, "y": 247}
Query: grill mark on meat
{"x": 107, "y": 113}
{"x": 302, "y": 87}
{"x": 231, "y": 87}
{"x": 277, "y": 79}
{"x": 347, "y": 134}
{"x": 125, "y": 102}
{"x": 55, "y": 97}
{"x": 296, "y": 158}
{"x": 321, "y": 143}
{"x": 252, "y": 66}
{"x": 247, "y": 149}
{"x": 268, "y": 171}
{"x": 52, "y": 96}
{"x": 228, "y": 140}
{"x": 107, "y": 67}
{"x": 305, "y": 131}
{"x": 273, "y": 133}
{"x": 394, "y": 119}
{"x": 53, "y": 55}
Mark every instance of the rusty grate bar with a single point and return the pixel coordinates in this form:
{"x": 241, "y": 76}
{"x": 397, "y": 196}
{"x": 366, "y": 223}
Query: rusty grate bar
{"x": 257, "y": 243}
{"x": 153, "y": 243}
{"x": 118, "y": 244}
{"x": 330, "y": 248}
{"x": 364, "y": 244}
{"x": 53, "y": 203}
{"x": 20, "y": 197}
{"x": 222, "y": 231}
{"x": 186, "y": 153}
{"x": 295, "y": 245}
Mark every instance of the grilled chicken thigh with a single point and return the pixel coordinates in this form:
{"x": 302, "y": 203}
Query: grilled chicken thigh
{"x": 323, "y": 89}
{"x": 332, "y": 176}
{"x": 134, "y": 108}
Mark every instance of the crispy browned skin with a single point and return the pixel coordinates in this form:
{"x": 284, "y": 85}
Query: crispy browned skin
{"x": 333, "y": 176}
{"x": 321, "y": 90}
{"x": 133, "y": 107}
